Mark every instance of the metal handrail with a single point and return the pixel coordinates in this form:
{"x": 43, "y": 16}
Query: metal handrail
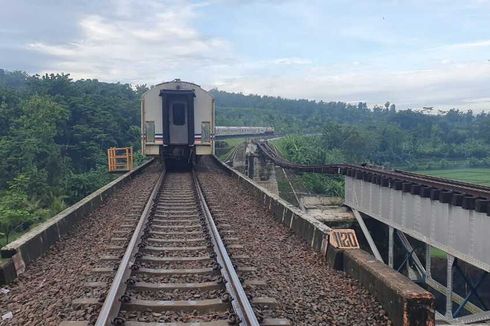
{"x": 241, "y": 304}
{"x": 112, "y": 303}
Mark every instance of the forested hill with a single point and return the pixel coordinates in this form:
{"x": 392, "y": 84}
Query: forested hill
{"x": 53, "y": 135}
{"x": 356, "y": 133}
{"x": 307, "y": 115}
{"x": 285, "y": 115}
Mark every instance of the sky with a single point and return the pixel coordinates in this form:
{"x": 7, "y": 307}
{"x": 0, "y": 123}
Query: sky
{"x": 413, "y": 53}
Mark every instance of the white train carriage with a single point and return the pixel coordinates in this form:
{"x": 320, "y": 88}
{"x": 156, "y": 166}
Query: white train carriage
{"x": 232, "y": 131}
{"x": 177, "y": 121}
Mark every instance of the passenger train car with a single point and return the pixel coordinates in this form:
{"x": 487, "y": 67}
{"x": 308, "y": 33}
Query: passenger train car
{"x": 224, "y": 132}
{"x": 177, "y": 121}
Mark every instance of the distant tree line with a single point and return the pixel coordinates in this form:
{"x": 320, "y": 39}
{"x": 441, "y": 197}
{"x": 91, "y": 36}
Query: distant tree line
{"x": 356, "y": 133}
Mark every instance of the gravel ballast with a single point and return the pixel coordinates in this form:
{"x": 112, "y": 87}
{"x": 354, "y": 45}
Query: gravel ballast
{"x": 43, "y": 294}
{"x": 308, "y": 291}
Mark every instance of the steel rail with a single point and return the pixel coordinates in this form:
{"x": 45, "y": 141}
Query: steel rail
{"x": 478, "y": 191}
{"x": 241, "y": 304}
{"x": 456, "y": 182}
{"x": 112, "y": 303}
{"x": 439, "y": 183}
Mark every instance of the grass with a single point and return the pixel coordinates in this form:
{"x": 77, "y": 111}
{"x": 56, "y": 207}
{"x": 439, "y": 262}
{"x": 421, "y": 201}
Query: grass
{"x": 438, "y": 253}
{"x": 285, "y": 191}
{"x": 231, "y": 143}
{"x": 12, "y": 237}
{"x": 472, "y": 175}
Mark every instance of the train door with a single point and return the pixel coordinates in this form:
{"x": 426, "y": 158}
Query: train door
{"x": 178, "y": 117}
{"x": 178, "y": 122}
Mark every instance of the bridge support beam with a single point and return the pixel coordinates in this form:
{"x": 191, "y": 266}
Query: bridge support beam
{"x": 449, "y": 287}
{"x": 391, "y": 245}
{"x": 428, "y": 261}
{"x": 411, "y": 256}
{"x": 458, "y": 230}
{"x": 366, "y": 233}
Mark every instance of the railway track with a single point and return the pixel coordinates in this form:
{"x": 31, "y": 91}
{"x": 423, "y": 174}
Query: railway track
{"x": 175, "y": 269}
{"x": 466, "y": 195}
{"x": 285, "y": 282}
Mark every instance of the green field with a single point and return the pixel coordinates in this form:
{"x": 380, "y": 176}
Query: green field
{"x": 231, "y": 143}
{"x": 477, "y": 176}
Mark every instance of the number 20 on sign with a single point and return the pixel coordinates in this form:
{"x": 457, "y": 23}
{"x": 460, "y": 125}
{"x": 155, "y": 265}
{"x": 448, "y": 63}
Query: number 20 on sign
{"x": 343, "y": 239}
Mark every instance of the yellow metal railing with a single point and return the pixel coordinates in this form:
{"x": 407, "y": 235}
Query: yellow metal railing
{"x": 120, "y": 159}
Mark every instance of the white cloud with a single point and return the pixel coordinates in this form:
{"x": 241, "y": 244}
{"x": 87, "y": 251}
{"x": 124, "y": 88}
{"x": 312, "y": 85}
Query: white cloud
{"x": 134, "y": 46}
{"x": 444, "y": 86}
{"x": 292, "y": 61}
{"x": 478, "y": 100}
{"x": 471, "y": 45}
{"x": 133, "y": 42}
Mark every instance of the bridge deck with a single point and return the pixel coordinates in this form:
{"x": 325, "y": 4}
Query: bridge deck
{"x": 305, "y": 290}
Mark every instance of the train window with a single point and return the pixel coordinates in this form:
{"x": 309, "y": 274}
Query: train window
{"x": 150, "y": 131}
{"x": 178, "y": 114}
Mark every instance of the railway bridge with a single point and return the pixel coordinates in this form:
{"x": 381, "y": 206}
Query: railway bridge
{"x": 158, "y": 247}
{"x": 161, "y": 247}
{"x": 425, "y": 215}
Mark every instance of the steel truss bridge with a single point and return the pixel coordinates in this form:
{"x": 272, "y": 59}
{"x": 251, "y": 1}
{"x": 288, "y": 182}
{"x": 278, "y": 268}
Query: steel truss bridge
{"x": 448, "y": 215}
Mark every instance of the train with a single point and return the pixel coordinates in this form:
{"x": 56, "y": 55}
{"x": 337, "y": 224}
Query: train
{"x": 223, "y": 132}
{"x": 177, "y": 122}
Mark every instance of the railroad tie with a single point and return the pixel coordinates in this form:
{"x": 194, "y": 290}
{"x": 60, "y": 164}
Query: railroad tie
{"x": 176, "y": 305}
